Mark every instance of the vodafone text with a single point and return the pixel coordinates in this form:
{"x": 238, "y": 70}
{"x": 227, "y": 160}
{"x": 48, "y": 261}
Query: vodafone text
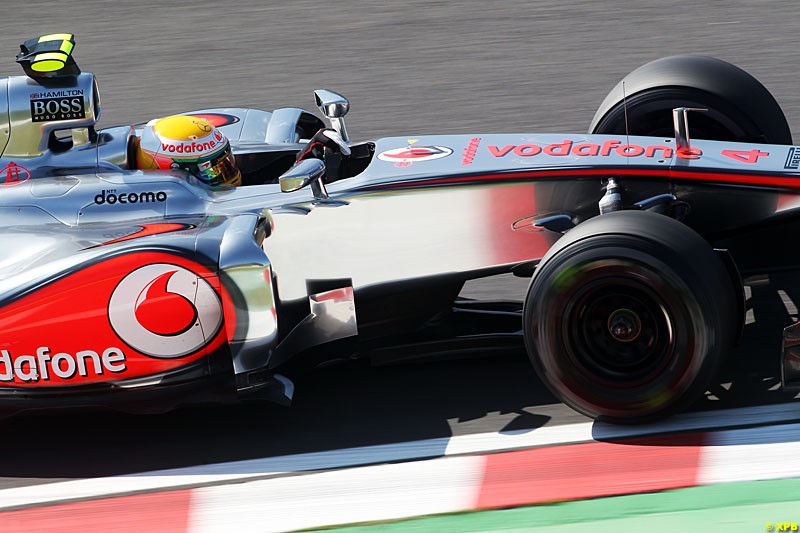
{"x": 470, "y": 151}
{"x": 45, "y": 366}
{"x": 189, "y": 147}
{"x": 569, "y": 147}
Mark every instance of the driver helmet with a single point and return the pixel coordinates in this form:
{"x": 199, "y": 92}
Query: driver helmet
{"x": 188, "y": 143}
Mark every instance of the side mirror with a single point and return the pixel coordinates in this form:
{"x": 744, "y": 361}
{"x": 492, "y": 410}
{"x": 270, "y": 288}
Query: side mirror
{"x": 334, "y": 106}
{"x": 306, "y": 172}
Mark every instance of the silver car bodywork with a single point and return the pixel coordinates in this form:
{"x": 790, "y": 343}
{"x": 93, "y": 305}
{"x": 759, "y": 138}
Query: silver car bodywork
{"x": 377, "y": 260}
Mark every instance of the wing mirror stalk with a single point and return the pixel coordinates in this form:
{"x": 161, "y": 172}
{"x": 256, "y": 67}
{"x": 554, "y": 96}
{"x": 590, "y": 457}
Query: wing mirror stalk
{"x": 306, "y": 172}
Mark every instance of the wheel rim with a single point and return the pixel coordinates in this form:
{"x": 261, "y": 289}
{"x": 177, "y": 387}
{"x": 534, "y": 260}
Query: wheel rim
{"x": 614, "y": 279}
{"x": 617, "y": 331}
{"x": 650, "y": 114}
{"x": 709, "y": 125}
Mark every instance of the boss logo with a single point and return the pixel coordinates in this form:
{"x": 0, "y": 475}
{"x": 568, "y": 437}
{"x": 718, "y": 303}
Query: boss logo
{"x": 57, "y": 105}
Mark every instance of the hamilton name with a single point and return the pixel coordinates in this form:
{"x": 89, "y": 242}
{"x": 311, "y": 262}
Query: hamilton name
{"x": 64, "y": 93}
{"x": 44, "y": 366}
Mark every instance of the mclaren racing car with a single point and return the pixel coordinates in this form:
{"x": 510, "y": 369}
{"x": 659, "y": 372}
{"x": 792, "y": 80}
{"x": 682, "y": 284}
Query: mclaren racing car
{"x": 143, "y": 290}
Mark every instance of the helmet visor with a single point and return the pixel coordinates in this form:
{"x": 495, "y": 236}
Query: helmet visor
{"x": 217, "y": 171}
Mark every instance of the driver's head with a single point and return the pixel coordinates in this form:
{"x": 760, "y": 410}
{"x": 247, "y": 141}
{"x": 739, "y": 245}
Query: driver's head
{"x": 189, "y": 143}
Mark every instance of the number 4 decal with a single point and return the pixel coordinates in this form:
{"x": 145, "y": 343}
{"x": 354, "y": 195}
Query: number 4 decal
{"x": 745, "y": 156}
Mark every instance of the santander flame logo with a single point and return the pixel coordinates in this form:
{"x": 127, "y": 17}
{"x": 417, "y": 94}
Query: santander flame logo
{"x": 165, "y": 311}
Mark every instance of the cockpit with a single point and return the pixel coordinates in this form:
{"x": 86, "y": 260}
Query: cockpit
{"x": 48, "y": 123}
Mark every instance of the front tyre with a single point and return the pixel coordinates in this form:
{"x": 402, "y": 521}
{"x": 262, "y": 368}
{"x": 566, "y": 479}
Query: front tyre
{"x": 628, "y": 315}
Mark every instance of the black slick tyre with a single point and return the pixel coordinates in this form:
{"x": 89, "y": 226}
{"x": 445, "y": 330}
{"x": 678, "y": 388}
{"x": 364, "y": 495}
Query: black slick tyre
{"x": 628, "y": 315}
{"x": 739, "y": 108}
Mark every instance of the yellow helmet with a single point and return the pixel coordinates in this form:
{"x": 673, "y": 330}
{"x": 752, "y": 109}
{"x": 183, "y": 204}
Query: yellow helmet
{"x": 189, "y": 143}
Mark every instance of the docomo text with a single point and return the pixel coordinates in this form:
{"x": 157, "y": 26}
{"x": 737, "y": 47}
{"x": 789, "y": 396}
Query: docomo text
{"x": 611, "y": 146}
{"x": 45, "y": 365}
{"x": 111, "y": 197}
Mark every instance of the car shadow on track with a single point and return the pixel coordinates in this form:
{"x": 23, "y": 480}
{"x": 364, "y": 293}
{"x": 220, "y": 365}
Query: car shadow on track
{"x": 348, "y": 405}
{"x": 353, "y": 404}
{"x": 750, "y": 375}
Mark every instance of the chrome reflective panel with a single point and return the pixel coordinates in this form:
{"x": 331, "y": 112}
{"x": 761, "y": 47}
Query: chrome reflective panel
{"x": 50, "y": 130}
{"x": 5, "y": 127}
{"x": 282, "y": 127}
{"x": 243, "y": 126}
{"x": 113, "y": 145}
{"x": 382, "y": 237}
{"x": 36, "y": 112}
{"x": 246, "y": 272}
{"x": 332, "y": 317}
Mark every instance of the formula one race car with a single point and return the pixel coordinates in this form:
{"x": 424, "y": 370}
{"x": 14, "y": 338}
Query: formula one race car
{"x": 142, "y": 290}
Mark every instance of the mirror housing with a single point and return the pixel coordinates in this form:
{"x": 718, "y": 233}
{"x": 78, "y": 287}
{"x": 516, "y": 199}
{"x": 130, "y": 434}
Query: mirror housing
{"x": 304, "y": 173}
{"x": 334, "y": 106}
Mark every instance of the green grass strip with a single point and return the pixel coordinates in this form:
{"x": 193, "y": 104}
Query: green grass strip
{"x": 748, "y": 506}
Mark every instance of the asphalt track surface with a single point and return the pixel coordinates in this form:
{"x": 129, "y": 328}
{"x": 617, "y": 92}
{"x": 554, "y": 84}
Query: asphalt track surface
{"x": 410, "y": 67}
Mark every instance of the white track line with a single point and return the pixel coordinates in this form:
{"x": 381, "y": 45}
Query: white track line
{"x": 751, "y": 454}
{"x": 405, "y": 451}
{"x": 443, "y": 485}
{"x": 383, "y": 492}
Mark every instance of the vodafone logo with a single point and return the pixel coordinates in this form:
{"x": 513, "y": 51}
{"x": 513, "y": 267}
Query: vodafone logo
{"x": 412, "y": 154}
{"x": 189, "y": 147}
{"x": 165, "y": 311}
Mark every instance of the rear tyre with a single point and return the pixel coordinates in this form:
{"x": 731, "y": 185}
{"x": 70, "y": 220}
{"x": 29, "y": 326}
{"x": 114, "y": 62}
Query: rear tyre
{"x": 739, "y": 107}
{"x": 628, "y": 315}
